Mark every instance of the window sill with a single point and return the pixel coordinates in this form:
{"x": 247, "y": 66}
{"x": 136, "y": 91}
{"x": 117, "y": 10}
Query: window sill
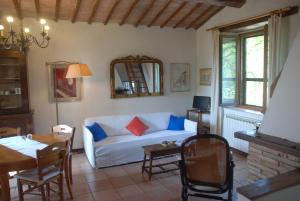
{"x": 247, "y": 109}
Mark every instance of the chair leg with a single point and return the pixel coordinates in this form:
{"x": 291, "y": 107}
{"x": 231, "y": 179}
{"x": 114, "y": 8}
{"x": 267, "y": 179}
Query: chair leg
{"x": 230, "y": 195}
{"x": 48, "y": 190}
{"x": 20, "y": 190}
{"x": 42, "y": 189}
{"x": 230, "y": 191}
{"x": 231, "y": 186}
{"x": 68, "y": 180}
{"x": 70, "y": 170}
{"x": 61, "y": 187}
{"x": 184, "y": 194}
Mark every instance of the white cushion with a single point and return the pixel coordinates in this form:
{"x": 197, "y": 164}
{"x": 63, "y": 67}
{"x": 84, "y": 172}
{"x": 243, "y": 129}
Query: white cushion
{"x": 190, "y": 125}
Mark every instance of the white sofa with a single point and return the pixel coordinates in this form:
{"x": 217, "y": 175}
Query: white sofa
{"x": 121, "y": 147}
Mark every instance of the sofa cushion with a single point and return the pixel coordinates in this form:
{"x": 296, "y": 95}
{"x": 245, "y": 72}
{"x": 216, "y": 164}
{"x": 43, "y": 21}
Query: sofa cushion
{"x": 97, "y": 132}
{"x": 137, "y": 127}
{"x": 176, "y": 123}
{"x": 190, "y": 125}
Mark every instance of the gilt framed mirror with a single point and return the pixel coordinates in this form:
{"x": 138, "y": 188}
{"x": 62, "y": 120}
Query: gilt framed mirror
{"x": 138, "y": 76}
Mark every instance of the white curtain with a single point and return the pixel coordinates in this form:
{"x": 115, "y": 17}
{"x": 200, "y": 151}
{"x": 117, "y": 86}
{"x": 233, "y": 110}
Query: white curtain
{"x": 215, "y": 122}
{"x": 278, "y": 46}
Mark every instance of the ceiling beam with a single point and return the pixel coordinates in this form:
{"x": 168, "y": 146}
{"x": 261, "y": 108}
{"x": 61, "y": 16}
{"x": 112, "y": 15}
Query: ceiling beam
{"x": 37, "y": 8}
{"x": 17, "y": 4}
{"x": 159, "y": 13}
{"x": 173, "y": 14}
{"x": 77, "y": 6}
{"x": 128, "y": 12}
{"x": 230, "y": 3}
{"x": 111, "y": 11}
{"x": 204, "y": 13}
{"x": 209, "y": 15}
{"x": 95, "y": 7}
{"x": 148, "y": 8}
{"x": 57, "y": 8}
{"x": 198, "y": 5}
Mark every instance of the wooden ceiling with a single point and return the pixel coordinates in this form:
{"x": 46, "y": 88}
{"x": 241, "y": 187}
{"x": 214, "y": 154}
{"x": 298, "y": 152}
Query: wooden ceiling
{"x": 163, "y": 13}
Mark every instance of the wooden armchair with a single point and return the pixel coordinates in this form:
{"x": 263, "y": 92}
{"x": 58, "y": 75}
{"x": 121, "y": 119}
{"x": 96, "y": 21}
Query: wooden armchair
{"x": 206, "y": 167}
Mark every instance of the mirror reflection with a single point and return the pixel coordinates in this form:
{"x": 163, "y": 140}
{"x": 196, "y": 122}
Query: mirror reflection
{"x": 136, "y": 76}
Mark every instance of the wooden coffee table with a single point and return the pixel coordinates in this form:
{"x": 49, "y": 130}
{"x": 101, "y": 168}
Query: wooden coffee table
{"x": 158, "y": 151}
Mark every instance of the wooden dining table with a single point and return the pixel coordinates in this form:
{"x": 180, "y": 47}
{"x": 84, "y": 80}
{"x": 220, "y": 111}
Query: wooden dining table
{"x": 11, "y": 160}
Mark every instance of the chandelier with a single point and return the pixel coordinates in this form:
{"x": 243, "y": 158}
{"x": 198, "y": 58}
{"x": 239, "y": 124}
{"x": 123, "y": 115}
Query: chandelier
{"x": 23, "y": 39}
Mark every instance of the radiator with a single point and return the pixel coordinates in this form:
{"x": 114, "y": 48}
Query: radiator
{"x": 236, "y": 120}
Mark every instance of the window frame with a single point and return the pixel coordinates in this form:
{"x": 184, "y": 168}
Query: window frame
{"x": 240, "y": 98}
{"x": 233, "y": 36}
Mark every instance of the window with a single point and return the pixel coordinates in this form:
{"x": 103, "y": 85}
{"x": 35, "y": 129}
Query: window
{"x": 243, "y": 69}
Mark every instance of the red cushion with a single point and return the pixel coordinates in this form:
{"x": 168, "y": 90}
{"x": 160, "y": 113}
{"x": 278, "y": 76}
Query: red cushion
{"x": 137, "y": 127}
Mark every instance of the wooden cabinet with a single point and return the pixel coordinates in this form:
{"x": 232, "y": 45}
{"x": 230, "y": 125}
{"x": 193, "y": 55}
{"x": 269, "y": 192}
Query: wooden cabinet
{"x": 14, "y": 100}
{"x": 23, "y": 121}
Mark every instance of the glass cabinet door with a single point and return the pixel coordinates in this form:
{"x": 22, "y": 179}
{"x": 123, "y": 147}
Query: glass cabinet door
{"x": 13, "y": 83}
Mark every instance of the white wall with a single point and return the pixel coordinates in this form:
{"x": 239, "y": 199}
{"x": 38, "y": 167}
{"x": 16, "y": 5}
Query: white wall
{"x": 97, "y": 45}
{"x": 250, "y": 9}
{"x": 282, "y": 116}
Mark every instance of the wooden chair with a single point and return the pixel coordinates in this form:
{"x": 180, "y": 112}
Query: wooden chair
{"x": 206, "y": 167}
{"x": 50, "y": 167}
{"x": 9, "y": 132}
{"x": 69, "y": 132}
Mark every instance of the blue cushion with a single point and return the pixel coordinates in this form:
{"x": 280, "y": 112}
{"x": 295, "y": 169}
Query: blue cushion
{"x": 176, "y": 123}
{"x": 97, "y": 131}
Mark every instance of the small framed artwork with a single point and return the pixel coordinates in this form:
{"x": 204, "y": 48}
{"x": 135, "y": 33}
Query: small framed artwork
{"x": 180, "y": 77}
{"x": 205, "y": 76}
{"x": 62, "y": 89}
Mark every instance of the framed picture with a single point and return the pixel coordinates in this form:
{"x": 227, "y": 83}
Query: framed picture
{"x": 62, "y": 89}
{"x": 180, "y": 77}
{"x": 205, "y": 76}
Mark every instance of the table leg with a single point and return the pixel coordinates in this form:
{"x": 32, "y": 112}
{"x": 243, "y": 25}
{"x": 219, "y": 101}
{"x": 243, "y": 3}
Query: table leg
{"x": 144, "y": 163}
{"x": 150, "y": 168}
{"x": 5, "y": 190}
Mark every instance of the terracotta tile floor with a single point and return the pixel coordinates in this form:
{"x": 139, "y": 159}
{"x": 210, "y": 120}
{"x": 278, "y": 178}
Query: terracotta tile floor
{"x": 126, "y": 183}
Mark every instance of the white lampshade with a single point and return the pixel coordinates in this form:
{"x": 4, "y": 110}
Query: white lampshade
{"x": 78, "y": 70}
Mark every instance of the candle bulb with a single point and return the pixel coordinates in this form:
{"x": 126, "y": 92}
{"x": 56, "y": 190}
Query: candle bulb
{"x": 43, "y": 21}
{"x": 1, "y": 30}
{"x": 10, "y": 19}
{"x": 47, "y": 28}
{"x": 26, "y": 30}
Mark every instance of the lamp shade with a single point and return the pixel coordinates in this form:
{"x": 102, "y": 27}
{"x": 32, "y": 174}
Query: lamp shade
{"x": 201, "y": 103}
{"x": 78, "y": 70}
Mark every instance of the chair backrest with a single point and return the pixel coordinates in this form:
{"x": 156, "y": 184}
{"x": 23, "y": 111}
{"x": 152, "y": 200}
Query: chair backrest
{"x": 9, "y": 132}
{"x": 206, "y": 160}
{"x": 51, "y": 158}
{"x": 64, "y": 130}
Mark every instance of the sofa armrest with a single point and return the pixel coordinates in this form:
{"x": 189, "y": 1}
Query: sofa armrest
{"x": 190, "y": 125}
{"x": 88, "y": 142}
